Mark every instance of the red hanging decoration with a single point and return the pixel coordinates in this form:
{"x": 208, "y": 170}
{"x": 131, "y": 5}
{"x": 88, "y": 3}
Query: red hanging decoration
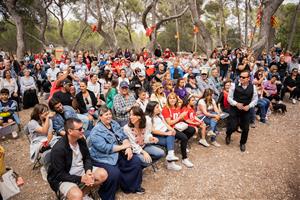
{"x": 195, "y": 29}
{"x": 274, "y": 22}
{"x": 150, "y": 30}
{"x": 259, "y": 15}
{"x": 94, "y": 28}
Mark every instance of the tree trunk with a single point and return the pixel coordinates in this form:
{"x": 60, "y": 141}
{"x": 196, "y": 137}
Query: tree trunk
{"x": 293, "y": 27}
{"x": 79, "y": 37}
{"x": 246, "y": 23}
{"x": 239, "y": 20}
{"x": 130, "y": 36}
{"x": 270, "y": 7}
{"x": 177, "y": 30}
{"x": 205, "y": 34}
{"x": 11, "y": 6}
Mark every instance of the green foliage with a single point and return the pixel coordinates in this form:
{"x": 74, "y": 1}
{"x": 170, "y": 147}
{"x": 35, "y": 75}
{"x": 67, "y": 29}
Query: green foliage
{"x": 285, "y": 15}
{"x": 166, "y": 37}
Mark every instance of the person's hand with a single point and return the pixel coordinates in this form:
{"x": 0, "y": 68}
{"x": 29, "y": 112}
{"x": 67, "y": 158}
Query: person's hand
{"x": 5, "y": 109}
{"x": 246, "y": 108}
{"x": 87, "y": 180}
{"x": 51, "y": 114}
{"x": 126, "y": 145}
{"x": 293, "y": 88}
{"x": 91, "y": 177}
{"x": 153, "y": 140}
{"x": 239, "y": 106}
{"x": 183, "y": 114}
{"x": 217, "y": 117}
{"x": 147, "y": 157}
{"x": 129, "y": 153}
{"x": 15, "y": 94}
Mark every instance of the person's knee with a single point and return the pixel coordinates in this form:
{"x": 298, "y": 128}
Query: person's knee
{"x": 114, "y": 174}
{"x": 101, "y": 175}
{"x": 75, "y": 194}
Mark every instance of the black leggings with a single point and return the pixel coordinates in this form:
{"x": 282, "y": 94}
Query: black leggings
{"x": 184, "y": 136}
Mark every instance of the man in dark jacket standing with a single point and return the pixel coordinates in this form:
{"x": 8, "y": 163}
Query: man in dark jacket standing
{"x": 242, "y": 96}
{"x": 71, "y": 166}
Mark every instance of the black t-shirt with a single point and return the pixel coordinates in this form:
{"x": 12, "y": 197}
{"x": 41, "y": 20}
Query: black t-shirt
{"x": 282, "y": 67}
{"x": 65, "y": 98}
{"x": 224, "y": 66}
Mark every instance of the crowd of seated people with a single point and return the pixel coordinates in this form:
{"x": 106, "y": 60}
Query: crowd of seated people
{"x": 119, "y": 113}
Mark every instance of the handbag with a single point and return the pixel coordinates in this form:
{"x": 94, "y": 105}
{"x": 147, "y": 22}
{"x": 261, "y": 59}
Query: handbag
{"x": 8, "y": 185}
{"x": 181, "y": 126}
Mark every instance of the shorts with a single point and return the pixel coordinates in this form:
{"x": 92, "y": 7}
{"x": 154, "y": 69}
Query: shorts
{"x": 65, "y": 187}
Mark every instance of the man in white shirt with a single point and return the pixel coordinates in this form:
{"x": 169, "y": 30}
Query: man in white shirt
{"x": 52, "y": 71}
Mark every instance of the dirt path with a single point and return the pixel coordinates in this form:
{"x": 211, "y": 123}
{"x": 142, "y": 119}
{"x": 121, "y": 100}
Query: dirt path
{"x": 269, "y": 169}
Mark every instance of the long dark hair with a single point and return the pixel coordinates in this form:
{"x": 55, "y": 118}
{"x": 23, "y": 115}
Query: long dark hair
{"x": 206, "y": 94}
{"x": 37, "y": 110}
{"x": 137, "y": 111}
{"x": 150, "y": 108}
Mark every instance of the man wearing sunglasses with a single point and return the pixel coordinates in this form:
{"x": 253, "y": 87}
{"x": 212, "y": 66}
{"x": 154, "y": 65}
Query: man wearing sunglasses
{"x": 71, "y": 168}
{"x": 242, "y": 96}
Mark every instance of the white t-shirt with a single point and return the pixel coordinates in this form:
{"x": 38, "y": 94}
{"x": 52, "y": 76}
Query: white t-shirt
{"x": 77, "y": 162}
{"x": 52, "y": 73}
{"x": 94, "y": 88}
{"x": 158, "y": 123}
{"x": 210, "y": 107}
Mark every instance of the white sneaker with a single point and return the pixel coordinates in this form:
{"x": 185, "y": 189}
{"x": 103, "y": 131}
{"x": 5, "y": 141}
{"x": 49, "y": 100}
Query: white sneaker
{"x": 171, "y": 157}
{"x": 14, "y": 134}
{"x": 294, "y": 101}
{"x": 280, "y": 102}
{"x": 204, "y": 142}
{"x": 44, "y": 173}
{"x": 215, "y": 143}
{"x": 173, "y": 166}
{"x": 187, "y": 163}
{"x": 187, "y": 150}
{"x": 211, "y": 133}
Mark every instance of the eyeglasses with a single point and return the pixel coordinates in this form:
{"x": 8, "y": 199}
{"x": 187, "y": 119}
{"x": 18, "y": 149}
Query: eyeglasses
{"x": 78, "y": 129}
{"x": 244, "y": 77}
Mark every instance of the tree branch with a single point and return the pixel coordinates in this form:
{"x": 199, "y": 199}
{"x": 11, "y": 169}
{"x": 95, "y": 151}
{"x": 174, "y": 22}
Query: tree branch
{"x": 171, "y": 17}
{"x": 146, "y": 12}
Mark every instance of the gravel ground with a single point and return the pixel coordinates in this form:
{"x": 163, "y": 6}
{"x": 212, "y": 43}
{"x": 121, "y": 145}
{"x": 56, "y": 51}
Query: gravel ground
{"x": 269, "y": 169}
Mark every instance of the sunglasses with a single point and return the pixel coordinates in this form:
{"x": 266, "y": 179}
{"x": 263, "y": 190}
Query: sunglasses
{"x": 78, "y": 129}
{"x": 244, "y": 77}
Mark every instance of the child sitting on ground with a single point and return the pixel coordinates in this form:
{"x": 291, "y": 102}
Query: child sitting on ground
{"x": 142, "y": 101}
{"x": 7, "y": 110}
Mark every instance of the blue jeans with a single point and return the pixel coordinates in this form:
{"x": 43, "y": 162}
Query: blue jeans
{"x": 166, "y": 141}
{"x": 223, "y": 73}
{"x": 212, "y": 123}
{"x": 155, "y": 152}
{"x": 263, "y": 105}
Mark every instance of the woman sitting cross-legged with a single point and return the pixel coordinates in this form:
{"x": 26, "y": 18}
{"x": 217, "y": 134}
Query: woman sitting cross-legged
{"x": 209, "y": 109}
{"x": 174, "y": 117}
{"x": 110, "y": 149}
{"x": 141, "y": 138}
{"x": 163, "y": 131}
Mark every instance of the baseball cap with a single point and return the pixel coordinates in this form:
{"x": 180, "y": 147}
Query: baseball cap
{"x": 66, "y": 81}
{"x": 124, "y": 84}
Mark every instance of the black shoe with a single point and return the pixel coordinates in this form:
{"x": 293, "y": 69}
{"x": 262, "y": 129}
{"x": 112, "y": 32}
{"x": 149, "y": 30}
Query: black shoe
{"x": 243, "y": 147}
{"x": 140, "y": 191}
{"x": 227, "y": 139}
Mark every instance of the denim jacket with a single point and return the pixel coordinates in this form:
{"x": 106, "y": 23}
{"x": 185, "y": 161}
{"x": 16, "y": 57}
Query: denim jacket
{"x": 58, "y": 120}
{"x": 102, "y": 142}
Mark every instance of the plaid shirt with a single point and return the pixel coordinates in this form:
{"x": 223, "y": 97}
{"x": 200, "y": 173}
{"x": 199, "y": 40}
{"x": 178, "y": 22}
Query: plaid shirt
{"x": 121, "y": 105}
